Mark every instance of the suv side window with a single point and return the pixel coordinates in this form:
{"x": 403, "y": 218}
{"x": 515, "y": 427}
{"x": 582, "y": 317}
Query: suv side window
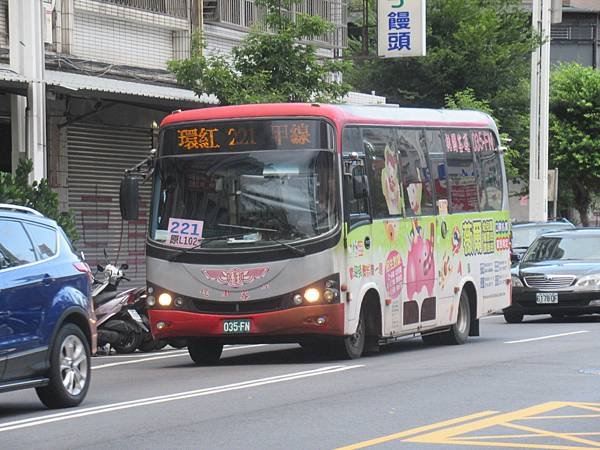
{"x": 44, "y": 240}
{"x": 15, "y": 246}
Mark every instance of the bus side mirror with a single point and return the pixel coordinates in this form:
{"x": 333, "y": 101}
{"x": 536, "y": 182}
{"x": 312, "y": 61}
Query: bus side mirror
{"x": 129, "y": 197}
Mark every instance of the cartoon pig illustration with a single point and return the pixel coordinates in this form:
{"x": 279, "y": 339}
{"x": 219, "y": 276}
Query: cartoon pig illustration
{"x": 420, "y": 265}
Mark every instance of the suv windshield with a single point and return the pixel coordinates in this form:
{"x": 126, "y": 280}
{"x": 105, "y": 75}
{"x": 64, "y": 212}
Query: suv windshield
{"x": 289, "y": 191}
{"x": 548, "y": 248}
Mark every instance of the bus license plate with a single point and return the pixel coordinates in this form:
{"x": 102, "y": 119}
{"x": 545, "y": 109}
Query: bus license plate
{"x": 546, "y": 297}
{"x": 235, "y": 326}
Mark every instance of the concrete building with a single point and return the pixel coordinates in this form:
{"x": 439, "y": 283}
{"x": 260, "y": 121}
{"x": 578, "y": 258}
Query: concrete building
{"x": 84, "y": 103}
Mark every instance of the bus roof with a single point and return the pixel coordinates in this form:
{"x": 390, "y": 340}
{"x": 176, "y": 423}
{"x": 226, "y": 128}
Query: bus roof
{"x": 341, "y": 114}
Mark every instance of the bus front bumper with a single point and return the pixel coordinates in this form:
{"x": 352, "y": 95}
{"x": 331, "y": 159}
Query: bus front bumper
{"x": 285, "y": 324}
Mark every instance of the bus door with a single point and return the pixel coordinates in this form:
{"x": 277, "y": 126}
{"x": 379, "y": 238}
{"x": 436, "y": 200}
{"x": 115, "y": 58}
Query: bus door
{"x": 359, "y": 233}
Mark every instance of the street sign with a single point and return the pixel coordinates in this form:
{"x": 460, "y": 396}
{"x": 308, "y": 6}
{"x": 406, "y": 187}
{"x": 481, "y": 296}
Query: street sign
{"x": 400, "y": 28}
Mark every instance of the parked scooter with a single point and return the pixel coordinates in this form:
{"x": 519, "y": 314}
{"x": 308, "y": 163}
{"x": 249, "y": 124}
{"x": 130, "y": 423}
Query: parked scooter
{"x": 119, "y": 324}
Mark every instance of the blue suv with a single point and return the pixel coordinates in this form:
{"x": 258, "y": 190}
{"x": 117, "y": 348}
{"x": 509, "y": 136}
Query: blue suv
{"x": 47, "y": 322}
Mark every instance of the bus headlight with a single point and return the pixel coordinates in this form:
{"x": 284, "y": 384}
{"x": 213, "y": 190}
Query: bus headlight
{"x": 151, "y": 300}
{"x": 165, "y": 299}
{"x": 312, "y": 295}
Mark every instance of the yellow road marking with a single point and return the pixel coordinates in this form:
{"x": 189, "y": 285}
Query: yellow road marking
{"x": 528, "y": 435}
{"x": 587, "y": 406}
{"x": 566, "y": 437}
{"x": 570, "y": 416}
{"x": 454, "y": 431}
{"x": 417, "y": 430}
{"x": 455, "y": 435}
{"x": 447, "y": 433}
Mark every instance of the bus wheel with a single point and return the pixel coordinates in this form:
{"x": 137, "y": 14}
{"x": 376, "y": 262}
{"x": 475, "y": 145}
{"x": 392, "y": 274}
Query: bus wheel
{"x": 204, "y": 352}
{"x": 459, "y": 332}
{"x": 512, "y": 316}
{"x": 352, "y": 347}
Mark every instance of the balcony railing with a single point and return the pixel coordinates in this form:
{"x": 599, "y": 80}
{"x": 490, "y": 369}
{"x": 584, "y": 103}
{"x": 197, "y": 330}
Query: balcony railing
{"x": 173, "y": 8}
{"x": 567, "y": 33}
{"x": 243, "y": 14}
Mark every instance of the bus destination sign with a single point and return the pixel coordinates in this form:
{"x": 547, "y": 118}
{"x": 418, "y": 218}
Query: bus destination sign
{"x": 244, "y": 136}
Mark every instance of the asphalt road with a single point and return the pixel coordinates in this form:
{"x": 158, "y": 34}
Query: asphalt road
{"x": 529, "y": 385}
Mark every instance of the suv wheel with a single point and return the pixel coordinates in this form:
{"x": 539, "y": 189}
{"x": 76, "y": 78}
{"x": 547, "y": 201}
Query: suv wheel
{"x": 69, "y": 371}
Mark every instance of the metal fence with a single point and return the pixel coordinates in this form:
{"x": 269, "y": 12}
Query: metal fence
{"x": 568, "y": 33}
{"x": 174, "y": 8}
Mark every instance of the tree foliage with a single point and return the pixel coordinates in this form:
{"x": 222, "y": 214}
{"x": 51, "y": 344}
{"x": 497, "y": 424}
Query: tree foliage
{"x": 484, "y": 45}
{"x": 478, "y": 57}
{"x": 574, "y": 144}
{"x": 16, "y": 190}
{"x": 267, "y": 67}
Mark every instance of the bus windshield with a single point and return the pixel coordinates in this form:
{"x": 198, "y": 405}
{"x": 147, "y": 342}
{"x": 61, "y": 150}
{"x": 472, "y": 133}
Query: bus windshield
{"x": 289, "y": 193}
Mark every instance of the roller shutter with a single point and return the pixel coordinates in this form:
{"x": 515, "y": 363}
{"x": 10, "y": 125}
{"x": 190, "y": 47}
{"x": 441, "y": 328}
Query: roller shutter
{"x": 3, "y": 23}
{"x": 97, "y": 157}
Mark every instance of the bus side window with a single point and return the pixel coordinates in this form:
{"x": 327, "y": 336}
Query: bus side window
{"x": 487, "y": 156}
{"x": 356, "y": 203}
{"x": 383, "y": 165}
{"x": 415, "y": 174}
{"x": 437, "y": 167}
{"x": 462, "y": 177}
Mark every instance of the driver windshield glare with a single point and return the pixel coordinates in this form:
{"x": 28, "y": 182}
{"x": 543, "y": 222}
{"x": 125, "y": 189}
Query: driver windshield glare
{"x": 564, "y": 248}
{"x": 289, "y": 192}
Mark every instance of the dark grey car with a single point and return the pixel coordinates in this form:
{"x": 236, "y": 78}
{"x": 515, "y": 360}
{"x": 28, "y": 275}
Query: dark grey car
{"x": 558, "y": 275}
{"x": 524, "y": 233}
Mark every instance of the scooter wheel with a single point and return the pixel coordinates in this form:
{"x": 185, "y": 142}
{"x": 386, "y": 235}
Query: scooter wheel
{"x": 129, "y": 343}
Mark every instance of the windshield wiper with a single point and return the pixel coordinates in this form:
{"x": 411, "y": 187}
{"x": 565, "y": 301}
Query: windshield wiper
{"x": 296, "y": 250}
{"x": 201, "y": 243}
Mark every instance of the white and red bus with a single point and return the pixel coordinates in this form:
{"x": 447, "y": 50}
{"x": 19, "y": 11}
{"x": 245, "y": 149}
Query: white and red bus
{"x": 333, "y": 226}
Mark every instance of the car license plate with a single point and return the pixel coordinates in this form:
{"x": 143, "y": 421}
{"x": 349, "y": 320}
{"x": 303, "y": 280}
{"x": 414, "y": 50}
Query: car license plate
{"x": 546, "y": 297}
{"x": 235, "y": 326}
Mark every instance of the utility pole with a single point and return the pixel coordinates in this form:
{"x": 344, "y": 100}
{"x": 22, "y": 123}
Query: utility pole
{"x": 544, "y": 13}
{"x": 27, "y": 58}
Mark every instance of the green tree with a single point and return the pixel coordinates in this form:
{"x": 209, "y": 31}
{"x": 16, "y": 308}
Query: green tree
{"x": 279, "y": 66}
{"x": 574, "y": 142}
{"x": 478, "y": 56}
{"x": 16, "y": 190}
{"x": 484, "y": 45}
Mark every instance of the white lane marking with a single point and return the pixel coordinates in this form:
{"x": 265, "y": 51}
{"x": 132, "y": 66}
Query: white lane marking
{"x": 170, "y": 355}
{"x": 139, "y": 355}
{"x": 57, "y": 417}
{"x": 546, "y": 337}
{"x": 493, "y": 316}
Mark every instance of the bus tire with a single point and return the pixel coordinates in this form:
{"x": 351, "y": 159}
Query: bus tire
{"x": 204, "y": 352}
{"x": 513, "y": 316}
{"x": 459, "y": 331}
{"x": 353, "y": 346}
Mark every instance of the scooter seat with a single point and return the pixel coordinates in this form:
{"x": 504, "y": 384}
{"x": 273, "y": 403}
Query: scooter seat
{"x": 104, "y": 297}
